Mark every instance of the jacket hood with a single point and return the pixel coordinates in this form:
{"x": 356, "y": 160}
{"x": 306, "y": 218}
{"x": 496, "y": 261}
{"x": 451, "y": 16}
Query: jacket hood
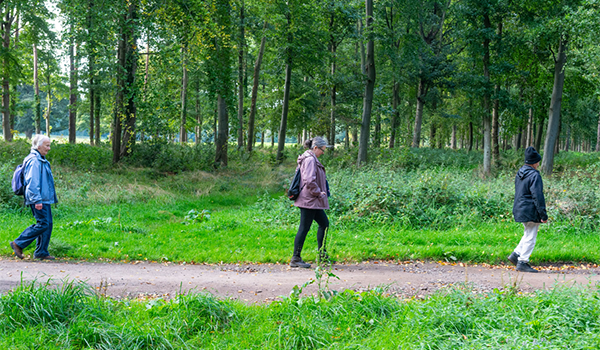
{"x": 526, "y": 171}
{"x": 305, "y": 155}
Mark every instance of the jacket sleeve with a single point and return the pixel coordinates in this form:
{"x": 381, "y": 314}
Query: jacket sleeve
{"x": 33, "y": 181}
{"x": 309, "y": 176}
{"x": 537, "y": 192}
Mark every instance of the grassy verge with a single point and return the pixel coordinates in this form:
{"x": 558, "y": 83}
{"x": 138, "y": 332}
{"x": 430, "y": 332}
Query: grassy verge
{"x": 394, "y": 209}
{"x": 73, "y": 317}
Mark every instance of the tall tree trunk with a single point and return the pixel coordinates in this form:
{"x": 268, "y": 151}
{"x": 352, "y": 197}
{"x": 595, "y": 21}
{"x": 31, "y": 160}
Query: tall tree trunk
{"x": 363, "y": 60}
{"x": 252, "y": 116}
{"x": 496, "y": 111}
{"x": 377, "y": 138}
{"x": 198, "y": 129}
{"x": 539, "y": 132}
{"x": 130, "y": 59}
{"x": 36, "y": 89}
{"x": 453, "y": 137}
{"x": 15, "y": 82}
{"x": 554, "y": 111}
{"x": 184, "y": 85}
{"x": 91, "y": 67}
{"x": 529, "y": 141}
{"x": 487, "y": 123}
{"x": 419, "y": 114}
{"x": 333, "y": 103}
{"x": 284, "y": 110}
{"x": 395, "y": 113}
{"x": 6, "y": 25}
{"x": 286, "y": 93}
{"x": 49, "y": 108}
{"x": 369, "y": 87}
{"x": 470, "y": 136}
{"x": 222, "y": 132}
{"x": 597, "y": 137}
{"x": 495, "y": 126}
{"x": 432, "y": 134}
{"x": 72, "y": 92}
{"x": 241, "y": 85}
{"x": 97, "y": 108}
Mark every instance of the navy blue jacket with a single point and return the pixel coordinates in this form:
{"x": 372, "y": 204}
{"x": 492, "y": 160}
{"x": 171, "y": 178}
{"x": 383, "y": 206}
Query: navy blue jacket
{"x": 530, "y": 204}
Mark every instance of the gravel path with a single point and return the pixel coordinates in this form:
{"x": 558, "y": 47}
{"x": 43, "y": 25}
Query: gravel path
{"x": 267, "y": 282}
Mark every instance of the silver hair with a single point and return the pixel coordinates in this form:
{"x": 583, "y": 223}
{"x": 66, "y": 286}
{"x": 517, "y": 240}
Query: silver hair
{"x": 37, "y": 140}
{"x": 316, "y": 141}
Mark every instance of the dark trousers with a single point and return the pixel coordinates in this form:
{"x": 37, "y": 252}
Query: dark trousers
{"x": 307, "y": 216}
{"x": 41, "y": 231}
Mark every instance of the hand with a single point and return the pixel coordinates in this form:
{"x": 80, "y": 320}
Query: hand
{"x": 544, "y": 221}
{"x": 323, "y": 194}
{"x": 39, "y": 206}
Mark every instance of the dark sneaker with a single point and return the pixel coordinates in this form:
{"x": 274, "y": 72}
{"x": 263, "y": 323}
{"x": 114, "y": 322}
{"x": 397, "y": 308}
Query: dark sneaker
{"x": 298, "y": 262}
{"x": 513, "y": 258}
{"x": 524, "y": 267}
{"x": 47, "y": 257}
{"x": 18, "y": 251}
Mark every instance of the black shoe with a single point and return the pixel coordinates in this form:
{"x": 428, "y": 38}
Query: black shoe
{"x": 18, "y": 251}
{"x": 298, "y": 262}
{"x": 513, "y": 258}
{"x": 524, "y": 267}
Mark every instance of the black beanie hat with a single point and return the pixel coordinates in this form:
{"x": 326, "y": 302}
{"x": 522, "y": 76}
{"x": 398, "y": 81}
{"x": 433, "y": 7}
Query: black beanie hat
{"x": 532, "y": 156}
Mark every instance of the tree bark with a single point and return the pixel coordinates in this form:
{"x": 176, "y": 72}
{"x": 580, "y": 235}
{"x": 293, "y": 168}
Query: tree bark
{"x": 470, "y": 136}
{"x": 395, "y": 113}
{"x": 240, "y": 141}
{"x": 184, "y": 85}
{"x": 198, "y": 129}
{"x": 91, "y": 67}
{"x": 419, "y": 114}
{"x": 72, "y": 92}
{"x": 222, "y": 132}
{"x": 554, "y": 111}
{"x": 496, "y": 112}
{"x": 49, "y": 108}
{"x": 286, "y": 93}
{"x": 369, "y": 87}
{"x": 453, "y": 137}
{"x": 252, "y": 116}
{"x": 36, "y": 85}
{"x": 597, "y": 137}
{"x": 487, "y": 144}
{"x": 97, "y": 108}
{"x": 6, "y": 25}
{"x": 130, "y": 58}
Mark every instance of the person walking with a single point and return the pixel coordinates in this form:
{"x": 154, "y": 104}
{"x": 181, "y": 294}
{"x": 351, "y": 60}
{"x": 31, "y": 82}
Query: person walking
{"x": 312, "y": 199}
{"x": 529, "y": 208}
{"x": 39, "y": 195}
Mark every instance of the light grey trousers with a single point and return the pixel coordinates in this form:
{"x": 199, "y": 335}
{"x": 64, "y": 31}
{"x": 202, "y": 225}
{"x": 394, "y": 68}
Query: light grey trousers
{"x": 525, "y": 247}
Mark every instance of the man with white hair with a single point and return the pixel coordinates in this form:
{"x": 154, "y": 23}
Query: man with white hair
{"x": 39, "y": 195}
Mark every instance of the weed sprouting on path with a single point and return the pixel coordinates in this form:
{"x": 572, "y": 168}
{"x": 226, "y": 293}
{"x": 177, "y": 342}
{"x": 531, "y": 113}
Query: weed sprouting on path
{"x": 76, "y": 317}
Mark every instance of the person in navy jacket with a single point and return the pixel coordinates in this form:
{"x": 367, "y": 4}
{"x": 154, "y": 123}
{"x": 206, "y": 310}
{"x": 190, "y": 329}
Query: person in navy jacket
{"x": 529, "y": 208}
{"x": 39, "y": 195}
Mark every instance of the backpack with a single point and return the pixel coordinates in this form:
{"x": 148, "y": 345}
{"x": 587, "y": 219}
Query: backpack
{"x": 18, "y": 180}
{"x": 294, "y": 190}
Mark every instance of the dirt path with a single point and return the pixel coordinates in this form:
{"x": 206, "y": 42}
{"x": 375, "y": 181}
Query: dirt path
{"x": 267, "y": 282}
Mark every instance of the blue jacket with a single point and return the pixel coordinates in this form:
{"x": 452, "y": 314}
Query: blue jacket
{"x": 530, "y": 204}
{"x": 38, "y": 180}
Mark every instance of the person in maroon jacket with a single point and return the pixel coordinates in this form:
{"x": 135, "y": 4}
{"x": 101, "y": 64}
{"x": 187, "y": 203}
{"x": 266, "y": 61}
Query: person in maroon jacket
{"x": 312, "y": 199}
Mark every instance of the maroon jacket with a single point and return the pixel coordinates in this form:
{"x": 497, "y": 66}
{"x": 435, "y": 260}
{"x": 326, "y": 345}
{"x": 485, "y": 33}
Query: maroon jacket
{"x": 312, "y": 184}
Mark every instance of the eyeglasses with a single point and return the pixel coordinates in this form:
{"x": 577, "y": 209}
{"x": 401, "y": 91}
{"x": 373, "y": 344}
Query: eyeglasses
{"x": 323, "y": 149}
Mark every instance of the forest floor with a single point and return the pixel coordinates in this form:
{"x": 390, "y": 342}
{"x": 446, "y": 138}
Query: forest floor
{"x": 260, "y": 283}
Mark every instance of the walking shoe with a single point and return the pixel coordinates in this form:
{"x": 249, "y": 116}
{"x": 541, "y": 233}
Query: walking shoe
{"x": 18, "y": 251}
{"x": 298, "y": 262}
{"x": 524, "y": 267}
{"x": 47, "y": 257}
{"x": 513, "y": 258}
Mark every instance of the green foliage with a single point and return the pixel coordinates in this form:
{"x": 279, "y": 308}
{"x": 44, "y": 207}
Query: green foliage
{"x": 172, "y": 158}
{"x": 74, "y": 317}
{"x": 81, "y": 156}
{"x": 194, "y": 217}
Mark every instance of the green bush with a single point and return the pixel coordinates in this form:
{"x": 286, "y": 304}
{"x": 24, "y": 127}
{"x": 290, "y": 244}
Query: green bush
{"x": 81, "y": 156}
{"x": 172, "y": 158}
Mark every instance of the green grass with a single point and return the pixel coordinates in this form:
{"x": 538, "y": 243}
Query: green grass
{"x": 378, "y": 212}
{"x": 74, "y": 317}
